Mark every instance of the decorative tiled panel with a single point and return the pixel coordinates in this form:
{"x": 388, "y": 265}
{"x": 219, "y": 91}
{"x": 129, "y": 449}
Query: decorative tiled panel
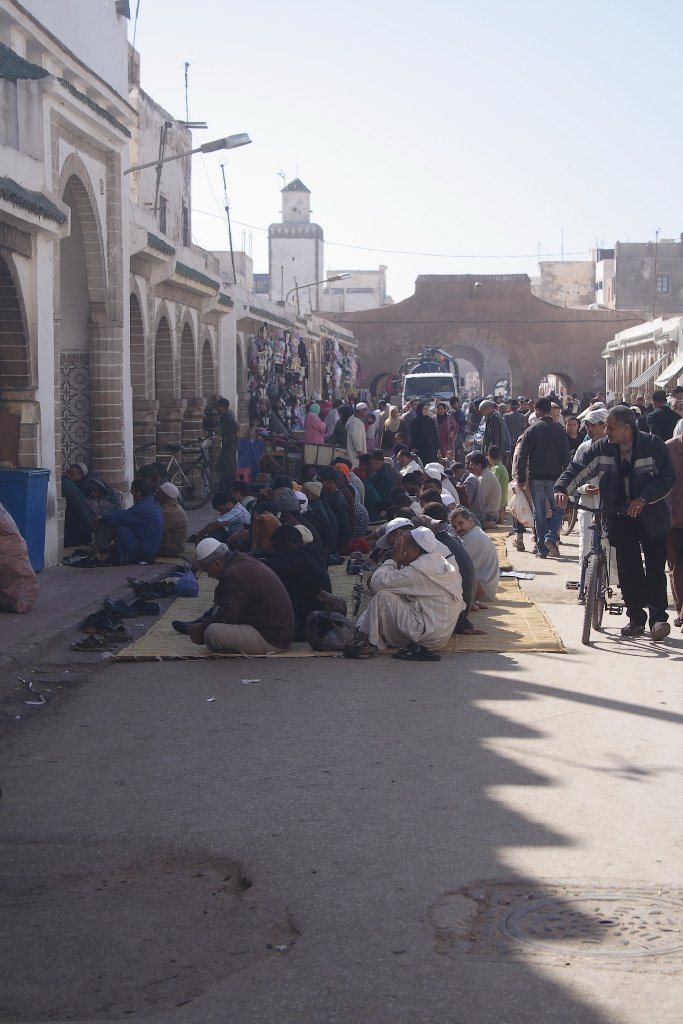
{"x": 74, "y": 378}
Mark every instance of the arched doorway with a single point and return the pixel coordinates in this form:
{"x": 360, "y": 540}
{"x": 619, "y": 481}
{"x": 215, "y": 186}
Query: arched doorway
{"x": 194, "y": 405}
{"x": 141, "y": 372}
{"x": 75, "y": 357}
{"x": 18, "y": 439}
{"x": 556, "y": 382}
{"x": 169, "y": 421}
{"x": 208, "y": 371}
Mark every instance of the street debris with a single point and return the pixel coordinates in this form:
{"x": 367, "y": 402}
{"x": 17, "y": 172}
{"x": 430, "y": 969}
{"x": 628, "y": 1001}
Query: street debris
{"x": 42, "y": 699}
{"x": 246, "y": 682}
{"x": 210, "y": 700}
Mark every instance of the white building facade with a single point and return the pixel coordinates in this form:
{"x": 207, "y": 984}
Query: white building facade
{"x": 644, "y": 358}
{"x": 295, "y": 252}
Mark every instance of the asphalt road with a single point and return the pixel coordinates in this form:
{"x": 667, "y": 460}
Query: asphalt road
{"x": 493, "y": 838}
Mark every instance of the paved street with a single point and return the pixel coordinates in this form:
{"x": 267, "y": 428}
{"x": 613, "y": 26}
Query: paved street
{"x": 344, "y": 842}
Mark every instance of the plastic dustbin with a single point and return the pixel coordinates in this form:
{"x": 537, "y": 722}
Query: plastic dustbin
{"x": 23, "y": 492}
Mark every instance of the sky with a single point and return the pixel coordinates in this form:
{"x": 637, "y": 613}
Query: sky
{"x": 441, "y": 137}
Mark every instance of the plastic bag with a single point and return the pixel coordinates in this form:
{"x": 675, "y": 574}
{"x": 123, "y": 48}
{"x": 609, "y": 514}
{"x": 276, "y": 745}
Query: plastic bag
{"x": 187, "y": 585}
{"x": 328, "y": 631}
{"x": 521, "y": 509}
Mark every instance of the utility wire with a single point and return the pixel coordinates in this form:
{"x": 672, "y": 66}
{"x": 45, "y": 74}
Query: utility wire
{"x": 411, "y": 252}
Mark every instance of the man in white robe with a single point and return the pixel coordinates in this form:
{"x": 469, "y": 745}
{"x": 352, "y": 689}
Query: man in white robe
{"x": 417, "y": 600}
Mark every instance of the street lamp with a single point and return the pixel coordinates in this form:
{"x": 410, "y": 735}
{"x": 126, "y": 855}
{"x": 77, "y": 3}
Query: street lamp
{"x": 312, "y": 284}
{"x": 229, "y": 142}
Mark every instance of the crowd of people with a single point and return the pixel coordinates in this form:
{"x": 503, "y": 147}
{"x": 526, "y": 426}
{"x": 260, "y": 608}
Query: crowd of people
{"x": 413, "y": 496}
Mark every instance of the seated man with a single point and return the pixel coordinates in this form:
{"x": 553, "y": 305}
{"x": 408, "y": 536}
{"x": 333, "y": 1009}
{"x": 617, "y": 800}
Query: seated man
{"x": 175, "y": 520}
{"x": 416, "y": 604}
{"x": 139, "y": 529}
{"x": 300, "y": 570}
{"x": 478, "y": 465}
{"x": 501, "y": 474}
{"x": 481, "y": 550}
{"x": 252, "y": 611}
{"x": 232, "y": 518}
{"x": 469, "y": 490}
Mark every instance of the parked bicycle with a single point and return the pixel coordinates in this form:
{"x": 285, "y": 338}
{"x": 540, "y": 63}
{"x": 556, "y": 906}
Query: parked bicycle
{"x": 193, "y": 477}
{"x": 594, "y": 586}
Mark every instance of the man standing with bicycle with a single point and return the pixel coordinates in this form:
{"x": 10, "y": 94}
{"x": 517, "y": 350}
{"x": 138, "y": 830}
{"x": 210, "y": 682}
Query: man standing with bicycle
{"x": 596, "y": 426}
{"x": 635, "y": 475}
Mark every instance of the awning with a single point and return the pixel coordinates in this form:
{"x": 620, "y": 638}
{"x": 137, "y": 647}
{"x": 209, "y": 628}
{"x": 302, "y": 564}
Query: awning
{"x": 672, "y": 371}
{"x": 647, "y": 375}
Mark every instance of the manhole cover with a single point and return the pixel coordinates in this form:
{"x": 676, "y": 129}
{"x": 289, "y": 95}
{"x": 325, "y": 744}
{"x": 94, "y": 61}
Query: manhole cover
{"x": 130, "y": 941}
{"x": 563, "y": 923}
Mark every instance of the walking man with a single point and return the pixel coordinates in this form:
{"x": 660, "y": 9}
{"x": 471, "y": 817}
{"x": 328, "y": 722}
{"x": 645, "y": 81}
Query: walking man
{"x": 634, "y": 473}
{"x": 230, "y": 433}
{"x": 543, "y": 455}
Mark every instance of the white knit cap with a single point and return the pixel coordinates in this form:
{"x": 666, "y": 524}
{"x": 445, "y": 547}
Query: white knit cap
{"x": 206, "y": 548}
{"x": 170, "y": 489}
{"x": 424, "y": 538}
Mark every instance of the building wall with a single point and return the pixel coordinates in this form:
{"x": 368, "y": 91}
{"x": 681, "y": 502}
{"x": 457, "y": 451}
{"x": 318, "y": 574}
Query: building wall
{"x": 361, "y": 289}
{"x": 566, "y": 282}
{"x": 92, "y": 31}
{"x": 296, "y": 258}
{"x": 638, "y": 266}
{"x": 636, "y": 351}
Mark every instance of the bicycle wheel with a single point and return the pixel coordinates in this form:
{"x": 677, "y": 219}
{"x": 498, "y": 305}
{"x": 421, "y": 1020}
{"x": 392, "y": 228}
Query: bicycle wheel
{"x": 590, "y": 592}
{"x": 193, "y": 484}
{"x": 600, "y": 584}
{"x": 569, "y": 522}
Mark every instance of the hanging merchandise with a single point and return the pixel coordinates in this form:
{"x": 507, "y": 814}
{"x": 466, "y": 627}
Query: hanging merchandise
{"x": 278, "y": 370}
{"x": 339, "y": 371}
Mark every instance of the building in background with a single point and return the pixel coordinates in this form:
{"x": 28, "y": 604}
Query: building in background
{"x": 295, "y": 252}
{"x": 643, "y": 358}
{"x": 359, "y": 289}
{"x": 569, "y": 283}
{"x": 645, "y": 276}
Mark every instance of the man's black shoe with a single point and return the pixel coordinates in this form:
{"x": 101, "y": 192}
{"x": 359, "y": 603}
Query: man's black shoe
{"x": 633, "y": 630}
{"x": 660, "y": 630}
{"x": 184, "y": 627}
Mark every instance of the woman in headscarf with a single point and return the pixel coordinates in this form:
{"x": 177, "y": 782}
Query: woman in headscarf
{"x": 423, "y": 436}
{"x": 314, "y": 428}
{"x": 392, "y": 425}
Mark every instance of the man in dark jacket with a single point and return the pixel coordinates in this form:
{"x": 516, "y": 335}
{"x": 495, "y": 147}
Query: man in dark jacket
{"x": 338, "y": 505}
{"x": 495, "y": 431}
{"x": 515, "y": 421}
{"x": 139, "y": 529}
{"x": 300, "y": 572}
{"x": 635, "y": 474}
{"x": 662, "y": 420}
{"x": 545, "y": 450}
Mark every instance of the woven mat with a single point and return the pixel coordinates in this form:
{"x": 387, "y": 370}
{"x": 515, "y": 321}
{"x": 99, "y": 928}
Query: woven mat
{"x": 512, "y": 623}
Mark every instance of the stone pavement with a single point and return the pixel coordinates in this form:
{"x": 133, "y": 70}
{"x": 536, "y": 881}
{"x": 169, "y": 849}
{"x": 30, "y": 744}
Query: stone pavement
{"x": 67, "y": 595}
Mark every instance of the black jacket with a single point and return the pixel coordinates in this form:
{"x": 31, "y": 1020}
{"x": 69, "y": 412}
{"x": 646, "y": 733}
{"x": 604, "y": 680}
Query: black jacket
{"x": 424, "y": 438}
{"x": 662, "y": 422}
{"x": 546, "y": 450}
{"x": 651, "y": 478}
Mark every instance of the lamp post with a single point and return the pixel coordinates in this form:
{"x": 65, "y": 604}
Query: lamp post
{"x": 229, "y": 142}
{"x": 312, "y": 284}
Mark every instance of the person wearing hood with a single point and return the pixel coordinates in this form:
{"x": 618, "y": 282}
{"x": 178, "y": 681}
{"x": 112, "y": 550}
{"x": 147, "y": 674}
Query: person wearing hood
{"x": 300, "y": 571}
{"x": 417, "y": 599}
{"x": 423, "y": 435}
{"x": 314, "y": 428}
{"x": 175, "y": 520}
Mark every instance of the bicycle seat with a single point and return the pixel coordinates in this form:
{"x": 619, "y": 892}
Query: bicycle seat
{"x": 172, "y": 447}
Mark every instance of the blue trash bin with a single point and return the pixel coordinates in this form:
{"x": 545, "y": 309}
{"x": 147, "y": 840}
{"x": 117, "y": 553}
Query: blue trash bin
{"x": 23, "y": 492}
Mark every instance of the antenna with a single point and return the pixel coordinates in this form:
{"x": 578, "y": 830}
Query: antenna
{"x": 187, "y": 109}
{"x": 135, "y": 23}
{"x": 281, "y": 174}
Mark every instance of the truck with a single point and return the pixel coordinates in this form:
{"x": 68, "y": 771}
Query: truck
{"x": 434, "y": 374}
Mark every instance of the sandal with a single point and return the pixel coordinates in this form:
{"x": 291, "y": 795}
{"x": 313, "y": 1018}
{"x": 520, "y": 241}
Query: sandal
{"x": 678, "y": 621}
{"x": 359, "y": 649}
{"x": 416, "y": 652}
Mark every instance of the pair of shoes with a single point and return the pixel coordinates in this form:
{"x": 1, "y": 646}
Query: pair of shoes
{"x": 519, "y": 542}
{"x": 92, "y": 642}
{"x": 150, "y": 590}
{"x": 335, "y": 604}
{"x": 336, "y": 560}
{"x": 660, "y": 630}
{"x": 553, "y": 549}
{"x": 634, "y": 630}
{"x": 128, "y": 611}
{"x": 416, "y": 652}
{"x": 100, "y": 622}
{"x": 184, "y": 627}
{"x": 359, "y": 647}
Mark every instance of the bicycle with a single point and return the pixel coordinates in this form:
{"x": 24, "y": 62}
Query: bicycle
{"x": 593, "y": 586}
{"x": 195, "y": 479}
{"x": 571, "y": 514}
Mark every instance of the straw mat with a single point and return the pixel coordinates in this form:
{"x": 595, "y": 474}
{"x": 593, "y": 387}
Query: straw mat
{"x": 512, "y": 623}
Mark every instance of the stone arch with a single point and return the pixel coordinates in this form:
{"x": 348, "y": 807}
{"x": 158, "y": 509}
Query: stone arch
{"x": 74, "y": 180}
{"x": 139, "y": 368}
{"x": 170, "y": 408}
{"x": 559, "y": 381}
